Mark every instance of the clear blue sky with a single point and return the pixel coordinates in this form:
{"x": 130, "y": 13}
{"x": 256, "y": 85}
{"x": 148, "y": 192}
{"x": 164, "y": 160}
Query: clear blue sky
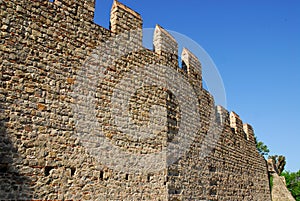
{"x": 256, "y": 48}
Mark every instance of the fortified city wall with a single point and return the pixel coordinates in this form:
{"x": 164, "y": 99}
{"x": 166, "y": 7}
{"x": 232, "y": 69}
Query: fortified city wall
{"x": 46, "y": 150}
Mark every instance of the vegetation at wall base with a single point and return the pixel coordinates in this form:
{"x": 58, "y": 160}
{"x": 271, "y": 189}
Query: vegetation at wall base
{"x": 271, "y": 182}
{"x": 293, "y": 183}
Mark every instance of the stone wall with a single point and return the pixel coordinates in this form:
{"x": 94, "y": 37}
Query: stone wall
{"x": 65, "y": 82}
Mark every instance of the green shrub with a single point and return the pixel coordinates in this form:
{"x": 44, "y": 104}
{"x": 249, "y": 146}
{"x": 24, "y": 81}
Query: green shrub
{"x": 271, "y": 182}
{"x": 293, "y": 183}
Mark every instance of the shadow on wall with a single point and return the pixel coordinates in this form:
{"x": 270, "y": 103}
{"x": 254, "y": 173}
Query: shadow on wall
{"x": 13, "y": 185}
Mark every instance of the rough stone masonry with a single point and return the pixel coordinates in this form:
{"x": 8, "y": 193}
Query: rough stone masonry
{"x": 68, "y": 85}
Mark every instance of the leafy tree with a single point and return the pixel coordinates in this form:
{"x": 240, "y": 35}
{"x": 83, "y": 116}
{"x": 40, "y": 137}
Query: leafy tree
{"x": 279, "y": 162}
{"x": 293, "y": 183}
{"x": 261, "y": 147}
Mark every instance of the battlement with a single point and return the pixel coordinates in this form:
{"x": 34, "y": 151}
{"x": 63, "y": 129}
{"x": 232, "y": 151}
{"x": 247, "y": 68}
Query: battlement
{"x": 124, "y": 19}
{"x": 244, "y": 130}
{"x": 165, "y": 46}
{"x": 192, "y": 65}
{"x": 236, "y": 123}
{"x": 222, "y": 115}
{"x": 249, "y": 133}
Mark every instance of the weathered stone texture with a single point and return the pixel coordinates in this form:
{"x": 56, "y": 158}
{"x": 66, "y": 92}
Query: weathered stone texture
{"x": 44, "y": 51}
